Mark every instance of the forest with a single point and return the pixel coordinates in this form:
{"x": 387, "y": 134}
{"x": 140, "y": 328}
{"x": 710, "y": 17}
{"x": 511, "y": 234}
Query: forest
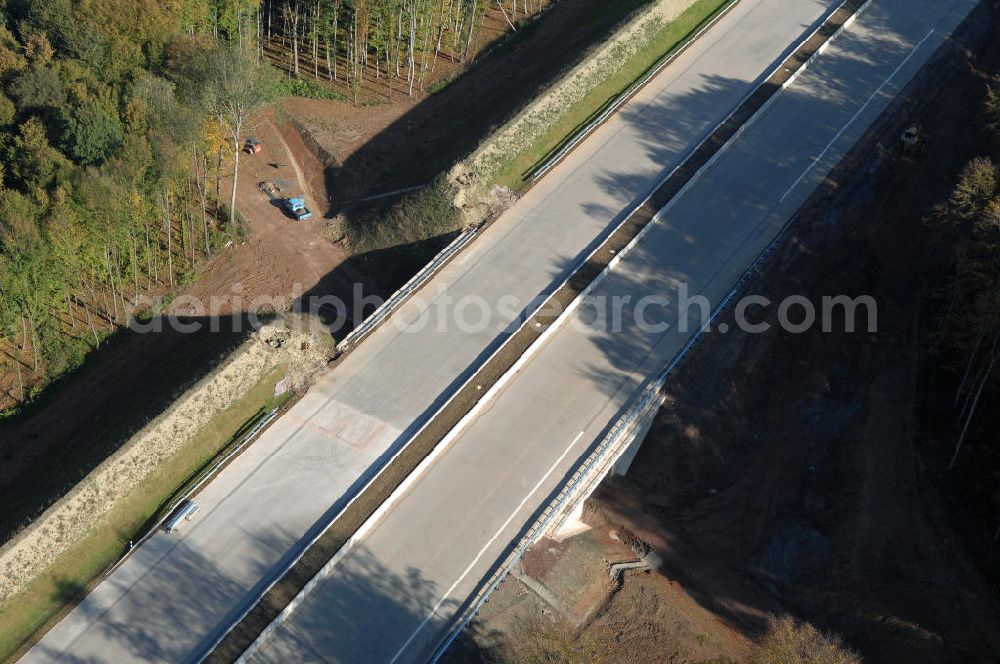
{"x": 963, "y": 343}
{"x": 118, "y": 144}
{"x": 389, "y": 45}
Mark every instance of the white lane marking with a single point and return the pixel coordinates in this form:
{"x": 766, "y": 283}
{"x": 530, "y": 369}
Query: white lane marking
{"x": 482, "y": 551}
{"x": 840, "y": 133}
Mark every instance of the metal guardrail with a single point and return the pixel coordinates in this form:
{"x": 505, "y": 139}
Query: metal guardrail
{"x": 207, "y": 475}
{"x": 387, "y": 308}
{"x": 584, "y": 132}
{"x": 546, "y": 520}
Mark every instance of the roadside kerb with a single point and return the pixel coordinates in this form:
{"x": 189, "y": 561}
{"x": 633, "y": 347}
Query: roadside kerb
{"x": 365, "y": 504}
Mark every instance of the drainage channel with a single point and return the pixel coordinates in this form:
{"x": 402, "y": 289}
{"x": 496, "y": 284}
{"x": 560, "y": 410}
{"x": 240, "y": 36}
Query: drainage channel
{"x": 241, "y": 635}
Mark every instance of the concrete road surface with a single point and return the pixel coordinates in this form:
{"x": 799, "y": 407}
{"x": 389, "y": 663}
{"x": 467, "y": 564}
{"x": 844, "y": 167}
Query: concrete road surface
{"x": 180, "y": 591}
{"x": 391, "y": 599}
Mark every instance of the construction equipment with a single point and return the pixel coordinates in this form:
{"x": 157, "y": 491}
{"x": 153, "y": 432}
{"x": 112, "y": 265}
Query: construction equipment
{"x": 297, "y": 208}
{"x": 252, "y": 146}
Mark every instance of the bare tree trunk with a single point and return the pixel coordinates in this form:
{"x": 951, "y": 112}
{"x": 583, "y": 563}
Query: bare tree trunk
{"x": 239, "y": 26}
{"x": 424, "y": 48}
{"x": 459, "y": 26}
{"x": 437, "y": 44}
{"x": 135, "y": 269}
{"x": 329, "y": 64}
{"x": 111, "y": 278}
{"x": 507, "y": 18}
{"x": 970, "y": 395}
{"x": 315, "y": 41}
{"x": 336, "y": 27}
{"x": 472, "y": 33}
{"x": 364, "y": 48}
{"x": 388, "y": 73}
{"x": 975, "y": 402}
{"x": 237, "y": 130}
{"x": 69, "y": 311}
{"x": 411, "y": 58}
{"x": 355, "y": 61}
{"x": 190, "y": 235}
{"x": 170, "y": 234}
{"x": 204, "y": 223}
{"x": 35, "y": 350}
{"x": 295, "y": 42}
{"x": 399, "y": 37}
{"x": 150, "y": 268}
{"x": 968, "y": 369}
{"x": 18, "y": 360}
{"x": 218, "y": 176}
{"x": 121, "y": 285}
{"x": 108, "y": 317}
{"x": 90, "y": 323}
{"x": 93, "y": 296}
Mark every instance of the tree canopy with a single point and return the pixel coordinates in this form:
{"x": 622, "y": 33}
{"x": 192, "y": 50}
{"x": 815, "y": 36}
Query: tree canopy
{"x": 106, "y": 150}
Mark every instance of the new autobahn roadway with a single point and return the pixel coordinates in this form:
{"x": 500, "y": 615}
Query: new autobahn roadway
{"x": 392, "y": 597}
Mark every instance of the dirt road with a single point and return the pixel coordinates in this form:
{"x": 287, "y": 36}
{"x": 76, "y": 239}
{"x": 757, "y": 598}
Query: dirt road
{"x": 281, "y": 257}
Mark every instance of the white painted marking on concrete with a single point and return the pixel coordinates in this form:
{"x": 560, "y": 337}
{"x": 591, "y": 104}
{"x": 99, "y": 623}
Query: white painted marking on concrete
{"x": 482, "y": 551}
{"x": 861, "y": 110}
{"x": 491, "y": 394}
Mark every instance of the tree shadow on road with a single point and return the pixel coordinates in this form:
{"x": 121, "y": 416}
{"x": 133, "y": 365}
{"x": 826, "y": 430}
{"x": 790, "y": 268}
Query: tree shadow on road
{"x": 448, "y": 125}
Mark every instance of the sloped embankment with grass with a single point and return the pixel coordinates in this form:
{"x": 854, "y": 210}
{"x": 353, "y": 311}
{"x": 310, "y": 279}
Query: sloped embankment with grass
{"x": 600, "y": 75}
{"x": 92, "y": 510}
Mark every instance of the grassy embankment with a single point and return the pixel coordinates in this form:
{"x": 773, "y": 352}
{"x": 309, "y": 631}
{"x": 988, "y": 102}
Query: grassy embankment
{"x": 64, "y": 583}
{"x": 671, "y": 36}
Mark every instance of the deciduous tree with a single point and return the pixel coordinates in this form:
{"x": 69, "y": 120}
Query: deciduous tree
{"x": 235, "y": 92}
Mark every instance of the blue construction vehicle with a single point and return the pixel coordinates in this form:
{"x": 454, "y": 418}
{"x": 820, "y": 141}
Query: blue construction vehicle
{"x": 297, "y": 208}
